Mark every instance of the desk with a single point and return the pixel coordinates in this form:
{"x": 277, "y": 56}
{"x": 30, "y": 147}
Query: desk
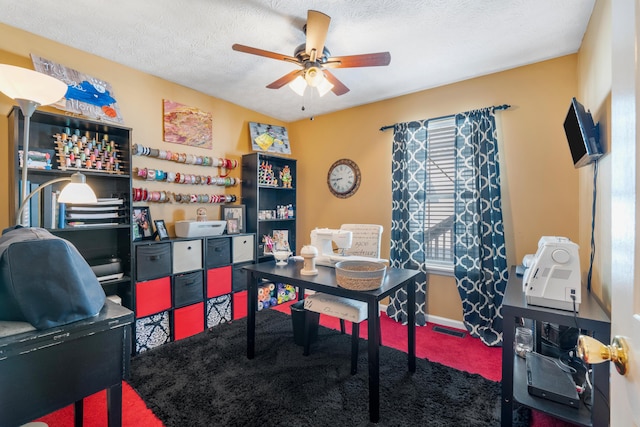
{"x": 325, "y": 281}
{"x": 45, "y": 370}
{"x": 591, "y": 317}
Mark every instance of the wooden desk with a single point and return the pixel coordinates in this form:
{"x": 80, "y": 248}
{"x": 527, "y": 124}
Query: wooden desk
{"x": 325, "y": 281}
{"x": 591, "y": 317}
{"x": 43, "y": 371}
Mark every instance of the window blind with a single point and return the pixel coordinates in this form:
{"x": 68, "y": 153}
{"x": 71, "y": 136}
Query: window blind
{"x": 439, "y": 187}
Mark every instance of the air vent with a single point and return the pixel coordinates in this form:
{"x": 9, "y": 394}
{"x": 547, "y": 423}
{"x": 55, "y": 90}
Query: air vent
{"x": 447, "y": 331}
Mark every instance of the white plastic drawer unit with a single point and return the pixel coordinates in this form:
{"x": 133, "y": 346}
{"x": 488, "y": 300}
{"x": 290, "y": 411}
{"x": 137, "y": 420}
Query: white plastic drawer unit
{"x": 242, "y": 248}
{"x": 187, "y": 255}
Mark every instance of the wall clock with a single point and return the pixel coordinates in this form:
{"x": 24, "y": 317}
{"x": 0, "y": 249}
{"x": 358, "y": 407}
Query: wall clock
{"x": 343, "y": 178}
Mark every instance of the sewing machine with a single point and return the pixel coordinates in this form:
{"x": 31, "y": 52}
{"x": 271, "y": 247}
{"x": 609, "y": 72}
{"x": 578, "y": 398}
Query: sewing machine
{"x": 552, "y": 276}
{"x": 323, "y": 239}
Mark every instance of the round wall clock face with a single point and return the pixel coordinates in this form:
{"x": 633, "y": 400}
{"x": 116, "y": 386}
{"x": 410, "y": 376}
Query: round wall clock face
{"x": 343, "y": 178}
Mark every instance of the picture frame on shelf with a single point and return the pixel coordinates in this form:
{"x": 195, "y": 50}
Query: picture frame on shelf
{"x": 232, "y": 226}
{"x": 161, "y": 229}
{"x": 142, "y": 222}
{"x": 135, "y": 236}
{"x": 281, "y": 240}
{"x": 236, "y": 212}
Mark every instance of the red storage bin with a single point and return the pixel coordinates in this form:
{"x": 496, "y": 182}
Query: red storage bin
{"x": 218, "y": 281}
{"x": 240, "y": 305}
{"x": 153, "y": 296}
{"x": 188, "y": 321}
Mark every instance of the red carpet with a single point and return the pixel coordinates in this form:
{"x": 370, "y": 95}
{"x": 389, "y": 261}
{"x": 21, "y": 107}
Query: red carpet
{"x": 467, "y": 354}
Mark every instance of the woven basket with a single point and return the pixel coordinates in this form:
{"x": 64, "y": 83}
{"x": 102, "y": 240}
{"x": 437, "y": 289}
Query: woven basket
{"x": 360, "y": 275}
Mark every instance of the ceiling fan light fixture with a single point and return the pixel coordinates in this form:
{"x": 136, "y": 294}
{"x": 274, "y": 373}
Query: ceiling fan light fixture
{"x": 324, "y": 86}
{"x": 298, "y": 85}
{"x": 313, "y": 76}
{"x": 313, "y": 56}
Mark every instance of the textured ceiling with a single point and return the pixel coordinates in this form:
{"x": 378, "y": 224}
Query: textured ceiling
{"x": 432, "y": 42}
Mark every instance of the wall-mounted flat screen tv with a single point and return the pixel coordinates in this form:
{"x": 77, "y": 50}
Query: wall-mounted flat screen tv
{"x": 582, "y": 134}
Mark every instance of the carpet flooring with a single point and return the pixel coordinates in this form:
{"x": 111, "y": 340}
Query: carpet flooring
{"x": 207, "y": 380}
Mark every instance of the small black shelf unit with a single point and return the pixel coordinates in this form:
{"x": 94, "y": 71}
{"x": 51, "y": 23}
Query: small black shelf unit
{"x": 94, "y": 242}
{"x": 591, "y": 319}
{"x": 261, "y": 198}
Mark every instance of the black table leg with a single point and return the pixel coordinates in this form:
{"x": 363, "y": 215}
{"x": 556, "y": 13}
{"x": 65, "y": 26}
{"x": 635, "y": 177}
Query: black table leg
{"x": 78, "y": 413}
{"x": 411, "y": 324}
{"x": 374, "y": 361}
{"x": 508, "y": 335}
{"x": 114, "y": 406}
{"x": 252, "y": 301}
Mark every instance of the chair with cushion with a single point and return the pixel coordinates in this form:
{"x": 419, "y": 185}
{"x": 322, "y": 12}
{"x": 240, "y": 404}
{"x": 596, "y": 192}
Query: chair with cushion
{"x": 365, "y": 242}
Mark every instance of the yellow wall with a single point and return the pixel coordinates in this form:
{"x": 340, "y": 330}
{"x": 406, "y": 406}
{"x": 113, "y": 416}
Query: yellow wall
{"x": 594, "y": 91}
{"x": 539, "y": 183}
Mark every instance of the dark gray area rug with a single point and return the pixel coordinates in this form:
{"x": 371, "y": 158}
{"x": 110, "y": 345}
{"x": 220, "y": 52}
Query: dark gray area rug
{"x": 207, "y": 380}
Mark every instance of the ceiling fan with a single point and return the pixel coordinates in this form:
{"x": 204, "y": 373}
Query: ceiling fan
{"x": 314, "y": 59}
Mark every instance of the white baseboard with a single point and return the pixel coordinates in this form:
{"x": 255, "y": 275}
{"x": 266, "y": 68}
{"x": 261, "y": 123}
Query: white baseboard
{"x": 442, "y": 321}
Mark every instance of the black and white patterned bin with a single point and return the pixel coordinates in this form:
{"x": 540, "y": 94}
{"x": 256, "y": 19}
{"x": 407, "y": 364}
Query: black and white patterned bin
{"x": 152, "y": 331}
{"x": 218, "y": 310}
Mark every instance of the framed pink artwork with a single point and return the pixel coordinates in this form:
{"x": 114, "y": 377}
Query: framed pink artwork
{"x": 187, "y": 125}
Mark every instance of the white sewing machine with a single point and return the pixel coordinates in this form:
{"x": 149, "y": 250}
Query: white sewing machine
{"x": 322, "y": 239}
{"x": 552, "y": 276}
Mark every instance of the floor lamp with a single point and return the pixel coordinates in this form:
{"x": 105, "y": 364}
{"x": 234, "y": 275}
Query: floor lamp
{"x": 30, "y": 89}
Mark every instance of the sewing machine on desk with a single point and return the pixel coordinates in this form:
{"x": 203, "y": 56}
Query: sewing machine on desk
{"x": 551, "y": 277}
{"x": 323, "y": 240}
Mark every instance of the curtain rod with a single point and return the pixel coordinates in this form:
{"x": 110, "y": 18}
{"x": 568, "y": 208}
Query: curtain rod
{"x": 499, "y": 107}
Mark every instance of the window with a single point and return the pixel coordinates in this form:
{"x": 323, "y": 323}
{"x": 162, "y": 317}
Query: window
{"x": 439, "y": 186}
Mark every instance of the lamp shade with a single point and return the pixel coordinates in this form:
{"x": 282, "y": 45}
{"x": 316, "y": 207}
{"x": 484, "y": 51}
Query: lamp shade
{"x": 298, "y": 85}
{"x": 30, "y": 85}
{"x": 324, "y": 86}
{"x": 77, "y": 191}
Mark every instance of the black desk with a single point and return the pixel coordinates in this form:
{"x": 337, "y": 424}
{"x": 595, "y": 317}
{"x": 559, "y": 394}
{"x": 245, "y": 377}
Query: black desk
{"x": 43, "y": 371}
{"x": 591, "y": 317}
{"x": 325, "y": 281}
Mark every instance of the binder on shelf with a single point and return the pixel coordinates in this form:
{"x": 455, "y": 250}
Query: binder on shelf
{"x": 55, "y": 210}
{"x": 47, "y": 213}
{"x": 62, "y": 208}
{"x": 34, "y": 206}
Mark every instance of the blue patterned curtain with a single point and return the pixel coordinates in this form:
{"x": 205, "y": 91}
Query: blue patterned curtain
{"x": 407, "y": 221}
{"x": 479, "y": 250}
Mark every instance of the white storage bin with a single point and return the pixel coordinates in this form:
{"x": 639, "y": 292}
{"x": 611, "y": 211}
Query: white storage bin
{"x": 187, "y": 256}
{"x": 242, "y": 248}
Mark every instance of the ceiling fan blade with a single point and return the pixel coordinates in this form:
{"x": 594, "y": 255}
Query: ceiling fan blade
{"x": 317, "y": 28}
{"x": 338, "y": 87}
{"x": 365, "y": 60}
{"x": 265, "y": 53}
{"x": 287, "y": 78}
